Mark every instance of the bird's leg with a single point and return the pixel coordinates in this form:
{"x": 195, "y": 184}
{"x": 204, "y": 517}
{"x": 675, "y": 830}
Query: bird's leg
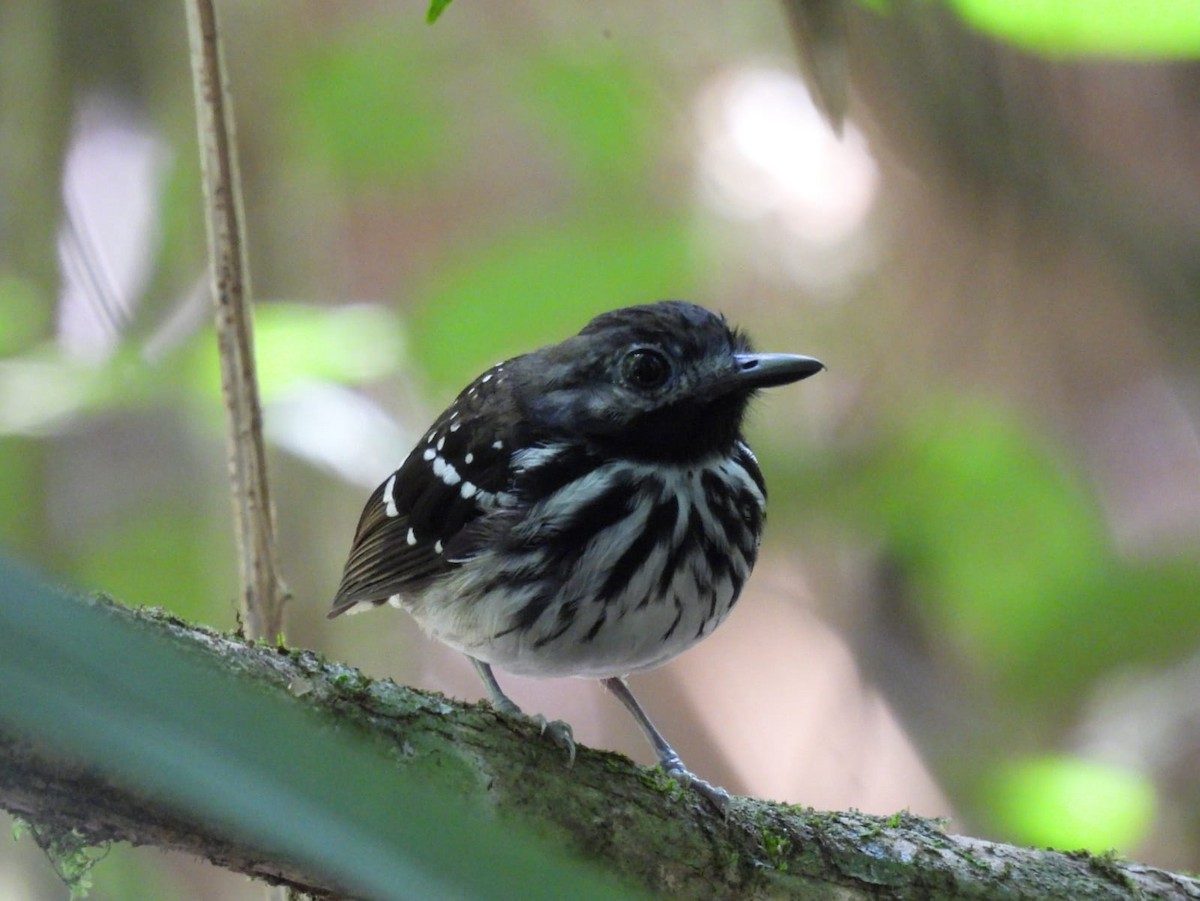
{"x": 667, "y": 758}
{"x": 559, "y": 732}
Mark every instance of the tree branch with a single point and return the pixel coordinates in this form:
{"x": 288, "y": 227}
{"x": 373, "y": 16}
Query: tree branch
{"x": 630, "y": 820}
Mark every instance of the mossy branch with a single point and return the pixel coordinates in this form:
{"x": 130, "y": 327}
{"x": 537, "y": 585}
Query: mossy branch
{"x": 627, "y": 819}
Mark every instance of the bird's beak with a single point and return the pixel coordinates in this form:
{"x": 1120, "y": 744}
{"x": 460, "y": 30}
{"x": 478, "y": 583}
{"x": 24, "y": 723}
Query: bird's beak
{"x": 768, "y": 370}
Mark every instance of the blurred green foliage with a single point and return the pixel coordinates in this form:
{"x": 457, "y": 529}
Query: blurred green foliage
{"x": 1008, "y": 558}
{"x": 296, "y": 343}
{"x": 154, "y": 560}
{"x": 541, "y": 284}
{"x": 599, "y": 109}
{"x": 20, "y": 493}
{"x": 1069, "y": 803}
{"x": 1156, "y": 30}
{"x": 26, "y": 313}
{"x": 357, "y": 106}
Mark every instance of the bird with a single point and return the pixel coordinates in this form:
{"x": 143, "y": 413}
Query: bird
{"x": 588, "y": 509}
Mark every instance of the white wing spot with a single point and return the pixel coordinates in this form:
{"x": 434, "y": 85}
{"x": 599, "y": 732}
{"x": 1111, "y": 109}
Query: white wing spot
{"x": 496, "y": 445}
{"x": 446, "y": 472}
{"x": 487, "y": 378}
{"x": 469, "y": 458}
{"x": 441, "y": 443}
{"x": 429, "y": 454}
{"x": 468, "y": 490}
{"x": 455, "y": 426}
{"x": 389, "y": 501}
{"x": 437, "y": 547}
{"x": 411, "y": 538}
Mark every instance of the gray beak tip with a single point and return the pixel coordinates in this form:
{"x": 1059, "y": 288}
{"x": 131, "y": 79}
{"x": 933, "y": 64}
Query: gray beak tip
{"x": 771, "y": 370}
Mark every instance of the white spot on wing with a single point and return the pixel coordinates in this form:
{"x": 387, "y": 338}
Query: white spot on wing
{"x": 468, "y": 490}
{"x": 487, "y": 378}
{"x": 411, "y": 538}
{"x": 446, "y": 472}
{"x": 441, "y": 443}
{"x": 496, "y": 445}
{"x": 437, "y": 547}
{"x": 389, "y": 501}
{"x": 429, "y": 454}
{"x": 469, "y": 458}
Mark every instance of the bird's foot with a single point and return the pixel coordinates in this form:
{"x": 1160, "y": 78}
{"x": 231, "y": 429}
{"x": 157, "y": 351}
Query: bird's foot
{"x": 713, "y": 794}
{"x": 557, "y": 731}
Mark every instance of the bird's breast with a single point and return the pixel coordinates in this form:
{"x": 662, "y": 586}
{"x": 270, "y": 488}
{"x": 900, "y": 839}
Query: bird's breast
{"x": 617, "y": 569}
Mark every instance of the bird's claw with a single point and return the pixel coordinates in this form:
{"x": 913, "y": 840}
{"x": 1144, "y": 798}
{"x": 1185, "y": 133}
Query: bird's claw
{"x": 713, "y": 794}
{"x": 560, "y": 733}
{"x": 557, "y": 731}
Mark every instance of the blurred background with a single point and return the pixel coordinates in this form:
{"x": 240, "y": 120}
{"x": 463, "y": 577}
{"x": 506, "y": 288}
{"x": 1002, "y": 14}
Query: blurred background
{"x": 979, "y": 596}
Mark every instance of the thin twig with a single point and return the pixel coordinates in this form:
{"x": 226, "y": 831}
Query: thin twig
{"x": 263, "y": 592}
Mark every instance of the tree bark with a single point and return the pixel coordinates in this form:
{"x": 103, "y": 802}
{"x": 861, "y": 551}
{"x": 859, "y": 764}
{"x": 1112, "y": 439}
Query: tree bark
{"x": 627, "y": 819}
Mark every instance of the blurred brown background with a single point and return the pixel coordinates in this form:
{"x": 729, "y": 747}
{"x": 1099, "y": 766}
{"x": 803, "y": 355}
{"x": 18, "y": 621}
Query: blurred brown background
{"x": 978, "y": 596}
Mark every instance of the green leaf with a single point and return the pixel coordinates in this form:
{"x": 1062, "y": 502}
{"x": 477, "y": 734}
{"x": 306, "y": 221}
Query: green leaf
{"x": 149, "y": 714}
{"x": 1162, "y": 29}
{"x": 436, "y": 8}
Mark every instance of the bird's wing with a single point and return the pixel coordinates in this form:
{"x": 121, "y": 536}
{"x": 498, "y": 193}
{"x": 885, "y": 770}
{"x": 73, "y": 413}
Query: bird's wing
{"x": 453, "y": 478}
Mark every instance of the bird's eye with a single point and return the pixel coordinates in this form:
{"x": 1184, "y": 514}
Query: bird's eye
{"x": 645, "y": 368}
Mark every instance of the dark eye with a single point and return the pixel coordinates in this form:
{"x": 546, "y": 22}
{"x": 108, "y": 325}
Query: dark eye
{"x": 645, "y": 368}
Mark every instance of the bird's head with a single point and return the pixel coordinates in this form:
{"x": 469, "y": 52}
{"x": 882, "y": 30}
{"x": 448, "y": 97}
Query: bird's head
{"x": 664, "y": 381}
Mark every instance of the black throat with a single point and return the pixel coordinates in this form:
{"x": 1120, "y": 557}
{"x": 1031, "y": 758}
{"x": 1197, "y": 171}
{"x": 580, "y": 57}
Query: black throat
{"x": 686, "y": 432}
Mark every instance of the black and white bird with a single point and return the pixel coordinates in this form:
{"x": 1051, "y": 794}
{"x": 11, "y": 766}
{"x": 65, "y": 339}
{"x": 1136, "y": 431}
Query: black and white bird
{"x": 588, "y": 509}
